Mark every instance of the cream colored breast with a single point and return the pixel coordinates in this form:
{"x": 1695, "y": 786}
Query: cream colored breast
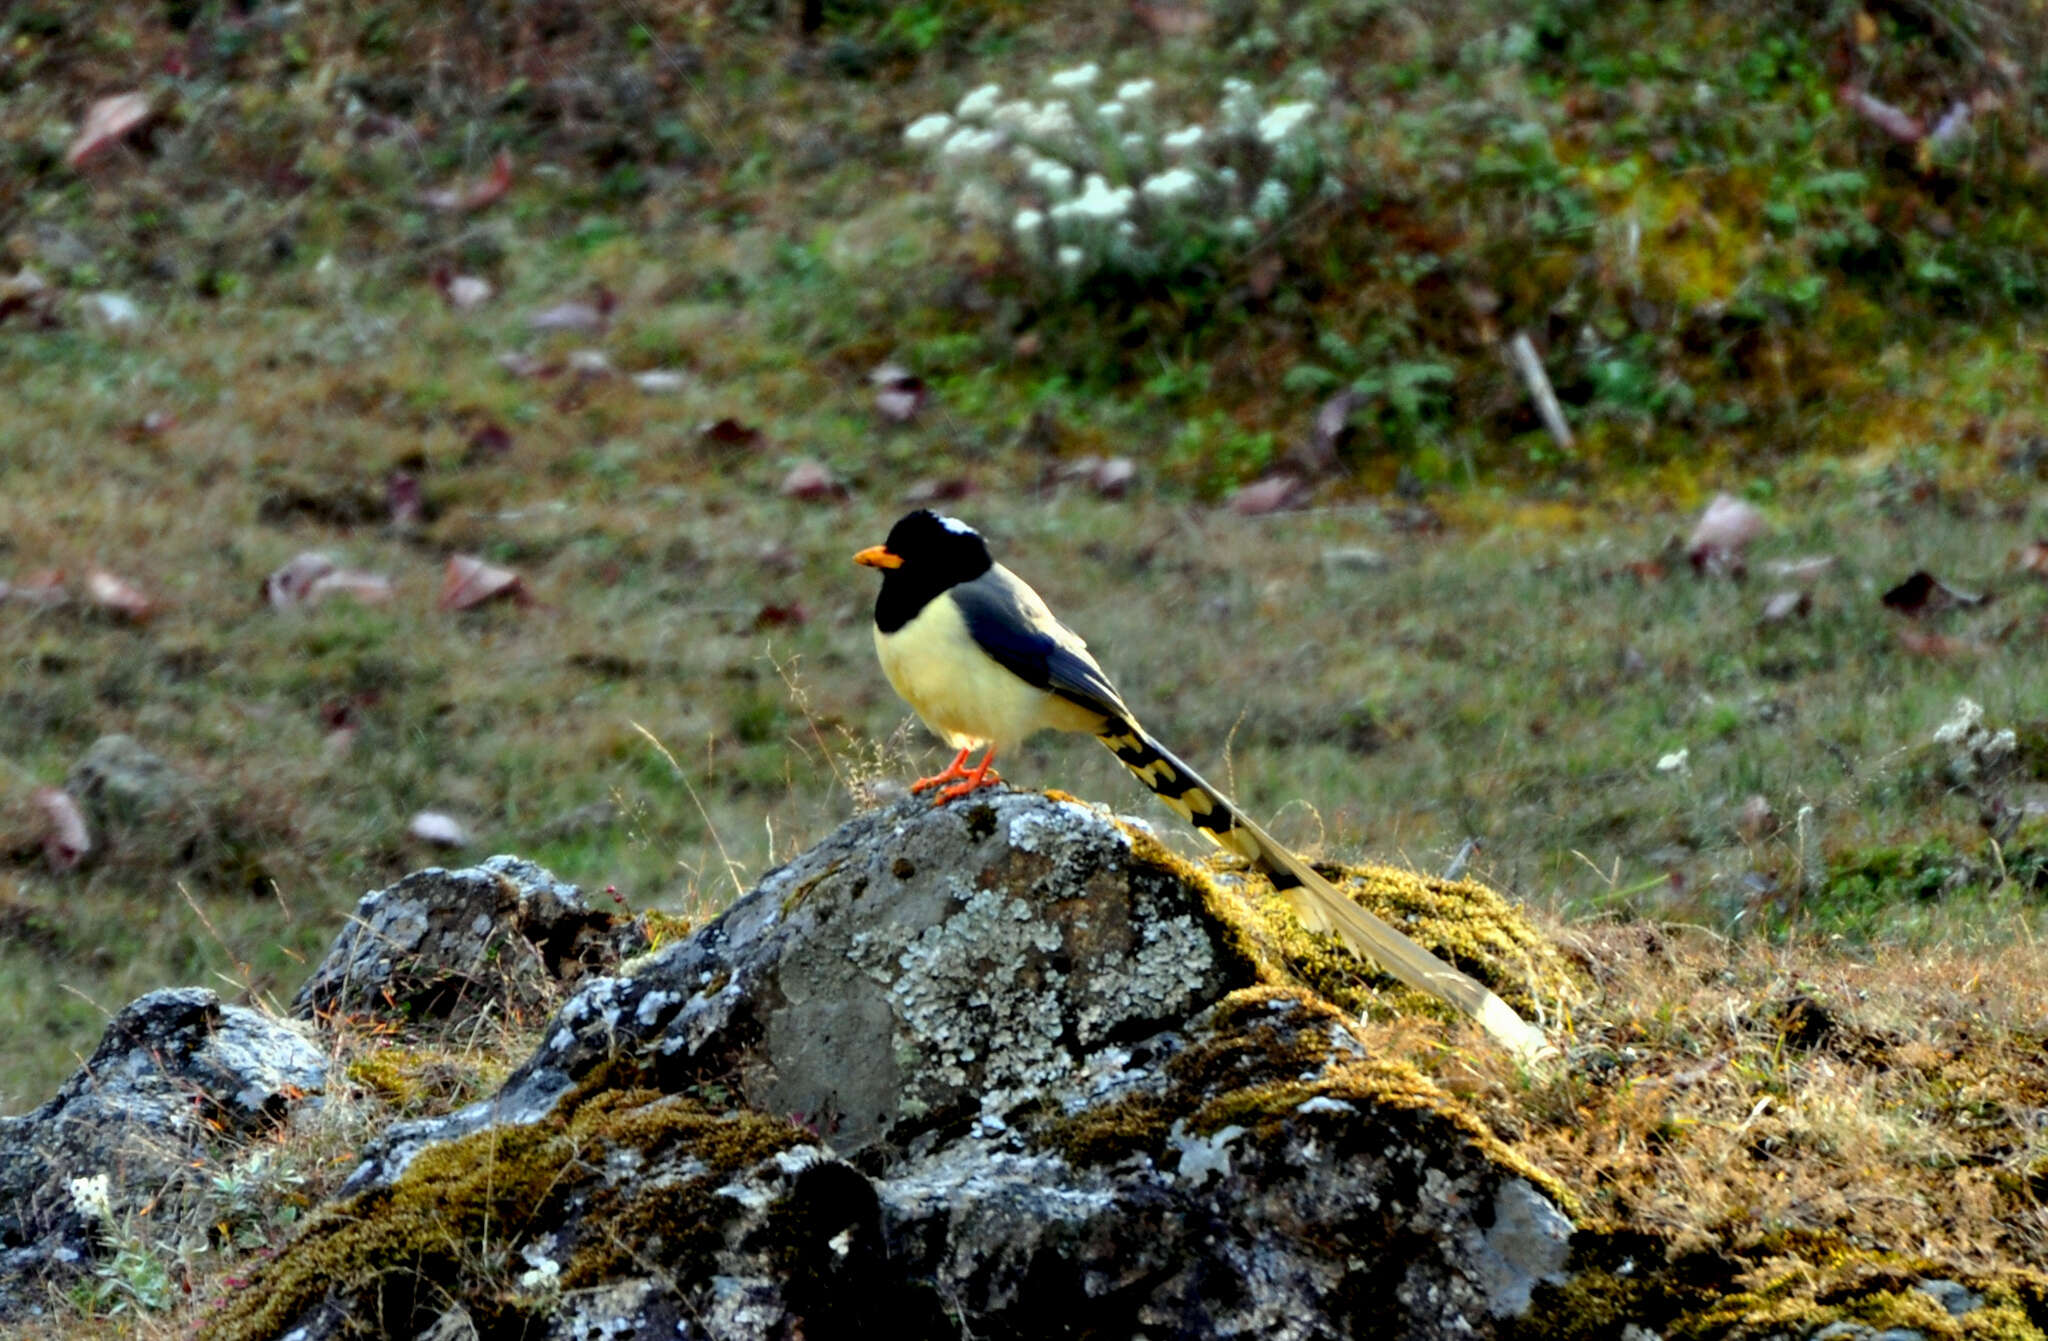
{"x": 958, "y": 689}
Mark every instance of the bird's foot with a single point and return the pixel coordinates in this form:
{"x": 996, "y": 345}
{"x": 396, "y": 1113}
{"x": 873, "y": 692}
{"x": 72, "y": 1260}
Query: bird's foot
{"x": 954, "y": 771}
{"x": 981, "y": 777}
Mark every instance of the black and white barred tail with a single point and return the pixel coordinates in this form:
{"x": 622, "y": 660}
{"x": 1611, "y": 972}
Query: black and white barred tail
{"x": 1319, "y": 904}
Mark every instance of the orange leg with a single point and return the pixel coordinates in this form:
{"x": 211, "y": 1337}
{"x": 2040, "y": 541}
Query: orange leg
{"x": 956, "y": 769}
{"x": 980, "y": 776}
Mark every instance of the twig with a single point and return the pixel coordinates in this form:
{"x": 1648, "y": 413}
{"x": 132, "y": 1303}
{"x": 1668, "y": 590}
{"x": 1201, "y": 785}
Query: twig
{"x": 1522, "y": 350}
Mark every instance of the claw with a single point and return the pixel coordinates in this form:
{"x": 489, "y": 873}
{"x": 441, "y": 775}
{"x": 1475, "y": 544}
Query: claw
{"x": 956, "y": 769}
{"x": 981, "y": 775}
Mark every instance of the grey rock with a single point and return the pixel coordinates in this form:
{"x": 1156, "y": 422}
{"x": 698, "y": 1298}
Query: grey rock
{"x": 444, "y": 944}
{"x": 138, "y": 802}
{"x": 1046, "y": 1093}
{"x": 1954, "y": 1296}
{"x": 1842, "y": 1331}
{"x": 176, "y": 1073}
{"x": 1900, "y": 1334}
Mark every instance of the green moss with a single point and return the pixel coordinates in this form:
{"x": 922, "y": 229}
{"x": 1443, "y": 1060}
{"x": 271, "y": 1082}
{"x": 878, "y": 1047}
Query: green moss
{"x": 450, "y": 1226}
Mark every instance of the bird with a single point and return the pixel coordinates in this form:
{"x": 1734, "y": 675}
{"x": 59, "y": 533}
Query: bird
{"x": 980, "y": 657}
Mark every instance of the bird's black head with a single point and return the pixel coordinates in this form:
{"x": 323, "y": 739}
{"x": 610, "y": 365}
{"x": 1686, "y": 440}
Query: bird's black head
{"x": 923, "y": 556}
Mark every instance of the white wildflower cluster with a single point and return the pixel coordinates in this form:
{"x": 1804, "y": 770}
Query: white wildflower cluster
{"x": 92, "y": 1198}
{"x": 1081, "y": 181}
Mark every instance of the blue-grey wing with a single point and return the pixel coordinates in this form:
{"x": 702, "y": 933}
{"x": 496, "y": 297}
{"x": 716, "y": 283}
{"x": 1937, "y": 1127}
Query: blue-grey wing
{"x": 1010, "y": 621}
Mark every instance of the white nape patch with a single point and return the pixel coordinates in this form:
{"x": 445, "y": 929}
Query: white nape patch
{"x": 957, "y": 527}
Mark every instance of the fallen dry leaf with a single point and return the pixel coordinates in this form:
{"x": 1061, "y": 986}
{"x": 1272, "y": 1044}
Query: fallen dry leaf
{"x": 431, "y": 826}
{"x": 774, "y": 616}
{"x": 1724, "y": 530}
{"x": 118, "y": 595}
{"x": 488, "y": 441}
{"x": 469, "y": 582}
{"x": 1922, "y": 593}
{"x": 1786, "y": 605}
{"x": 811, "y": 481}
{"x": 528, "y": 365}
{"x": 1901, "y": 126}
{"x": 1940, "y": 646}
{"x": 402, "y": 497}
{"x": 1804, "y": 570}
{"x": 288, "y": 585}
{"x": 1171, "y": 20}
{"x": 369, "y": 588}
{"x": 945, "y": 489}
{"x": 1321, "y": 452}
{"x": 471, "y": 196}
{"x": 1755, "y": 819}
{"x": 66, "y": 840}
{"x": 464, "y": 293}
{"x": 899, "y": 393}
{"x": 44, "y": 588}
{"x": 591, "y": 314}
{"x": 29, "y": 294}
{"x": 2031, "y": 557}
{"x": 108, "y": 122}
{"x": 1274, "y": 493}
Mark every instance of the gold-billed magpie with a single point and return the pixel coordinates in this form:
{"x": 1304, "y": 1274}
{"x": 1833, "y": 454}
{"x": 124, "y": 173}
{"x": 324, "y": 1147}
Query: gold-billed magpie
{"x": 974, "y": 650}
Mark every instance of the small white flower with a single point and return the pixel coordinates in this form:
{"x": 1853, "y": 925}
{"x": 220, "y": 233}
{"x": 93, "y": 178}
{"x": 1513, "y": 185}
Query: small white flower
{"x": 1055, "y": 178}
{"x": 1675, "y": 762}
{"x": 1135, "y": 90}
{"x": 1014, "y": 115}
{"x": 1227, "y": 175}
{"x": 1242, "y": 229}
{"x": 1239, "y": 108}
{"x": 979, "y": 103}
{"x": 968, "y": 143}
{"x": 1182, "y": 140}
{"x": 1127, "y": 231}
{"x": 927, "y": 130}
{"x": 979, "y": 200}
{"x": 1100, "y": 200}
{"x": 92, "y": 1197}
{"x": 1110, "y": 112}
{"x": 1028, "y": 222}
{"x": 1133, "y": 144}
{"x": 1051, "y": 121}
{"x": 1271, "y": 201}
{"x": 1071, "y": 257}
{"x": 1171, "y": 185}
{"x": 1071, "y": 81}
{"x": 1279, "y": 125}
{"x": 1315, "y": 84}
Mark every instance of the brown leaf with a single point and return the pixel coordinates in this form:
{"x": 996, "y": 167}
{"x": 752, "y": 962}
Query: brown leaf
{"x": 1271, "y": 494}
{"x": 108, "y": 122}
{"x": 774, "y": 616}
{"x": 1724, "y": 530}
{"x": 468, "y": 582}
{"x": 1901, "y": 126}
{"x": 1922, "y": 593}
{"x": 1320, "y": 452}
{"x": 66, "y": 840}
{"x": 152, "y": 425}
{"x": 1756, "y": 819}
{"x": 117, "y": 595}
{"x": 1113, "y": 478}
{"x": 729, "y": 433}
{"x": 811, "y": 481}
{"x": 30, "y": 294}
{"x": 471, "y": 196}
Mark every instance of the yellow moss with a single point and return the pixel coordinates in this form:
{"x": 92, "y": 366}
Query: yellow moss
{"x": 449, "y": 1227}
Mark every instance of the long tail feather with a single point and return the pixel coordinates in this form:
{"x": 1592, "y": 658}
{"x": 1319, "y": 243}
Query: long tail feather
{"x": 1321, "y": 905}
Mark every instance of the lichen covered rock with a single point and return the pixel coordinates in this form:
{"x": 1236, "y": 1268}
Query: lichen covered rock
{"x": 1003, "y": 1067}
{"x": 178, "y": 1078}
{"x": 503, "y": 935}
